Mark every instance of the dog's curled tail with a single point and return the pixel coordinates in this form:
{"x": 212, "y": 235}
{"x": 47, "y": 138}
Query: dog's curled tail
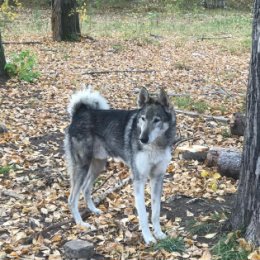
{"x": 86, "y": 97}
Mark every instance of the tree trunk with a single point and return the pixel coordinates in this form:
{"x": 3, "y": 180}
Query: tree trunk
{"x": 2, "y": 59}
{"x": 246, "y": 213}
{"x": 65, "y": 21}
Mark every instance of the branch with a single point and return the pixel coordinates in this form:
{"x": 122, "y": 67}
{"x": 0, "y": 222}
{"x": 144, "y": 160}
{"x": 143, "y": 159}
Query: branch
{"x": 182, "y": 140}
{"x": 85, "y": 213}
{"x": 35, "y": 42}
{"x": 215, "y": 38}
{"x": 195, "y": 114}
{"x": 117, "y": 71}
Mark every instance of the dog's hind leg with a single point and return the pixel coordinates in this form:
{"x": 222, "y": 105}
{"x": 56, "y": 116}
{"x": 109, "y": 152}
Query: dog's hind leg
{"x": 81, "y": 157}
{"x": 95, "y": 168}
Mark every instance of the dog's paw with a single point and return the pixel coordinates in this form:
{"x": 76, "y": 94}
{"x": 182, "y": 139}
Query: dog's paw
{"x": 149, "y": 240}
{"x": 86, "y": 225}
{"x": 160, "y": 235}
{"x": 96, "y": 211}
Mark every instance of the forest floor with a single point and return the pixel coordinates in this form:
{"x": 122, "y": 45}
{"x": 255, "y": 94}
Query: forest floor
{"x": 33, "y": 178}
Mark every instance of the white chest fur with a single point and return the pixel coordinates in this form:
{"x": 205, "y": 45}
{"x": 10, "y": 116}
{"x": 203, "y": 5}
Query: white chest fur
{"x": 151, "y": 157}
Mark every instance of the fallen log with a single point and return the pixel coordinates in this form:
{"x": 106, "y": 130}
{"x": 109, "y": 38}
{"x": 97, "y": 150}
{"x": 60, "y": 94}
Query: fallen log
{"x": 227, "y": 161}
{"x": 193, "y": 152}
{"x": 220, "y": 119}
{"x": 238, "y": 124}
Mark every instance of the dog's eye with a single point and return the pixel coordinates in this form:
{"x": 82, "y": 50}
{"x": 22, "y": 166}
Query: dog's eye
{"x": 143, "y": 118}
{"x": 156, "y": 120}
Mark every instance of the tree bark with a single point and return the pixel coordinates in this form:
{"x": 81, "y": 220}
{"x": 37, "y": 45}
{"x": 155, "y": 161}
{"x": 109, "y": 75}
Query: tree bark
{"x": 2, "y": 59}
{"x": 246, "y": 213}
{"x": 65, "y": 21}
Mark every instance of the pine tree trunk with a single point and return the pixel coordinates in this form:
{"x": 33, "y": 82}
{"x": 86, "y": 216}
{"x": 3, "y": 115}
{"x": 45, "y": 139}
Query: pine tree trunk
{"x": 246, "y": 213}
{"x": 65, "y": 21}
{"x": 2, "y": 59}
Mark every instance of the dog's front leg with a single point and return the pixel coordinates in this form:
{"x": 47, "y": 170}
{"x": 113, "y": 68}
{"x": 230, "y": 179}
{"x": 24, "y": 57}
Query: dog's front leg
{"x": 156, "y": 193}
{"x": 141, "y": 210}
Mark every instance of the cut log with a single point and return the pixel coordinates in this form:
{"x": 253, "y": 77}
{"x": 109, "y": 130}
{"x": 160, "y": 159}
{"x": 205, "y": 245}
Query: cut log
{"x": 193, "y": 152}
{"x": 78, "y": 249}
{"x": 238, "y": 124}
{"x": 227, "y": 161}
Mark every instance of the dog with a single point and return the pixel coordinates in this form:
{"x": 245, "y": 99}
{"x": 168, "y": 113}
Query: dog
{"x": 142, "y": 138}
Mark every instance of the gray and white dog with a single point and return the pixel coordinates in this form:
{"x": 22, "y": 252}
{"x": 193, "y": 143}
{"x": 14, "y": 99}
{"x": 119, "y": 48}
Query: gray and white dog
{"x": 142, "y": 138}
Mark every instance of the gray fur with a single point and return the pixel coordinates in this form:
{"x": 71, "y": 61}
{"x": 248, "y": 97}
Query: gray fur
{"x": 142, "y": 138}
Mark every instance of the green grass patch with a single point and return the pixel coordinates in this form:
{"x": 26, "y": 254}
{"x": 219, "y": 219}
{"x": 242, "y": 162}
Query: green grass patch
{"x": 171, "y": 245}
{"x": 226, "y": 133}
{"x": 211, "y": 225}
{"x": 5, "y": 169}
{"x": 188, "y": 103}
{"x": 228, "y": 248}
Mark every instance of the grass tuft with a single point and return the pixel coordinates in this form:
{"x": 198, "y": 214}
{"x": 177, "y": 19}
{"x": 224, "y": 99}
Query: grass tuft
{"x": 5, "y": 169}
{"x": 228, "y": 248}
{"x": 187, "y": 103}
{"x": 171, "y": 245}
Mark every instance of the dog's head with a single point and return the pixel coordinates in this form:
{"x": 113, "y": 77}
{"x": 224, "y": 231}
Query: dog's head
{"x": 156, "y": 116}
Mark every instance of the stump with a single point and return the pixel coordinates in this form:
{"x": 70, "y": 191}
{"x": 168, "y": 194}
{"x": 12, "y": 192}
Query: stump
{"x": 238, "y": 124}
{"x": 78, "y": 249}
{"x": 228, "y": 161}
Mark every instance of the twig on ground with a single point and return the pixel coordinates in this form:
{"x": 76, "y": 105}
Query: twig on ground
{"x": 182, "y": 140}
{"x": 31, "y": 42}
{"x": 220, "y": 119}
{"x": 85, "y": 213}
{"x": 117, "y": 186}
{"x": 117, "y": 71}
{"x": 102, "y": 184}
{"x": 214, "y": 38}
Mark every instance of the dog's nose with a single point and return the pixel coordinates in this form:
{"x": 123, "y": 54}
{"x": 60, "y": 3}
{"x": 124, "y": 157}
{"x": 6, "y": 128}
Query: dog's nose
{"x": 144, "y": 140}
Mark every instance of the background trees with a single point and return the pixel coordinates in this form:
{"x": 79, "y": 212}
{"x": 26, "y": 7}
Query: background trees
{"x": 2, "y": 58}
{"x": 65, "y": 20}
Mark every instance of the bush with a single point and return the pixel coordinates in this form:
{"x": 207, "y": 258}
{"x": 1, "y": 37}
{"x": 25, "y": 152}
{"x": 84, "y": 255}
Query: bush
{"x": 22, "y": 65}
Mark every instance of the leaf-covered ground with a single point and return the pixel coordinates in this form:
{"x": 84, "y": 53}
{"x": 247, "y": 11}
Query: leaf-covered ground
{"x": 35, "y": 190}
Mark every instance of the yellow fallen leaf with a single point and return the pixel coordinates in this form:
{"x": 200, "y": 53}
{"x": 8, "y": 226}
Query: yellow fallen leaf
{"x": 214, "y": 185}
{"x": 189, "y": 214}
{"x": 244, "y": 244}
{"x": 204, "y": 174}
{"x": 216, "y": 176}
{"x": 206, "y": 255}
{"x": 211, "y": 235}
{"x": 254, "y": 256}
{"x": 56, "y": 238}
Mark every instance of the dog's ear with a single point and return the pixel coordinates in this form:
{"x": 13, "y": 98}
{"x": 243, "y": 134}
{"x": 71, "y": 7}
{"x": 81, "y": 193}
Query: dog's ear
{"x": 143, "y": 97}
{"x": 163, "y": 99}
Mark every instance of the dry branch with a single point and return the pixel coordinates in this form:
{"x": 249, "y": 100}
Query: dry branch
{"x": 117, "y": 71}
{"x": 30, "y": 42}
{"x": 215, "y": 38}
{"x": 85, "y": 213}
{"x": 220, "y": 119}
